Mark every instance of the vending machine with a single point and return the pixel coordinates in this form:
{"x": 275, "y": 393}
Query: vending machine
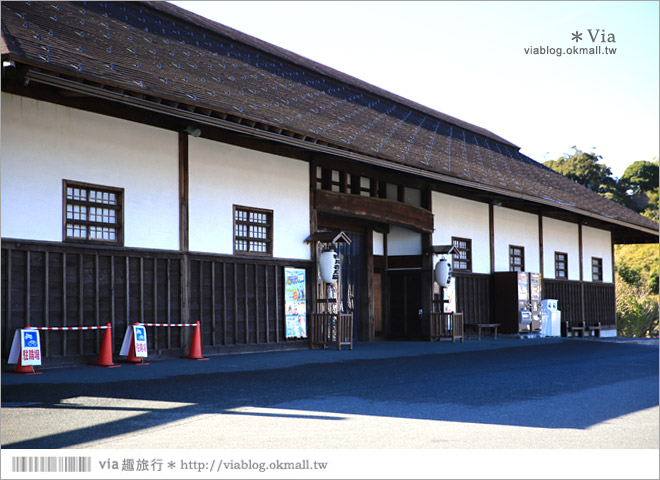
{"x": 535, "y": 302}
{"x": 517, "y": 301}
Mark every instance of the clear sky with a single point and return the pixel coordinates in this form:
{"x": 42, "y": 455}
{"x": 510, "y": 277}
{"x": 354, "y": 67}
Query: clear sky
{"x": 468, "y": 59}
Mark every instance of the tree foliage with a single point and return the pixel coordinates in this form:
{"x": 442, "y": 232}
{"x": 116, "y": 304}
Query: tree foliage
{"x": 636, "y": 266}
{"x": 640, "y": 177}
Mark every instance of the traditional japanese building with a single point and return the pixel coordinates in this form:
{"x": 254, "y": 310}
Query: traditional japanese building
{"x": 161, "y": 167}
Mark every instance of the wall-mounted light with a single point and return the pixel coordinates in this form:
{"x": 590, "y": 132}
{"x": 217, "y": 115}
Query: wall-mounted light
{"x": 497, "y": 203}
{"x": 193, "y": 131}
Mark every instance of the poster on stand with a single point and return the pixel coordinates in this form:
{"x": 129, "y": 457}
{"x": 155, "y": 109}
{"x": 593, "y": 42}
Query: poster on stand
{"x": 295, "y": 303}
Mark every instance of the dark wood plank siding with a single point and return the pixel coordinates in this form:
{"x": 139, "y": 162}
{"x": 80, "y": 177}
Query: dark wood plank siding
{"x": 238, "y": 301}
{"x": 569, "y": 296}
{"x": 600, "y": 304}
{"x": 598, "y": 300}
{"x": 474, "y": 293}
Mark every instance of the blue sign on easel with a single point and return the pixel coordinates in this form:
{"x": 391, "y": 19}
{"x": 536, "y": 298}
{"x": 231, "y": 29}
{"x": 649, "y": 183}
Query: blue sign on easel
{"x": 26, "y": 347}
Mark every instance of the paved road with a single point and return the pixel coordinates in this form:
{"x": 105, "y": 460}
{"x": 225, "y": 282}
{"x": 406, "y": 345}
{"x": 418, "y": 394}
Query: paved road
{"x": 509, "y": 393}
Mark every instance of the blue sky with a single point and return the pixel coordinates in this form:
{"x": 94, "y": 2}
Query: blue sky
{"x": 468, "y": 59}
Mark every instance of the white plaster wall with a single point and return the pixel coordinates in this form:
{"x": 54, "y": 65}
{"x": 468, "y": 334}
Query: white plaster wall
{"x": 44, "y": 143}
{"x": 223, "y": 175}
{"x": 401, "y": 241}
{"x": 597, "y": 243}
{"x": 458, "y": 217}
{"x": 515, "y": 228}
{"x": 559, "y": 236}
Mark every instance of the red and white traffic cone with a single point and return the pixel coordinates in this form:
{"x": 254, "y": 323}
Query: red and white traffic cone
{"x": 195, "y": 352}
{"x": 23, "y": 369}
{"x": 105, "y": 356}
{"x": 133, "y": 359}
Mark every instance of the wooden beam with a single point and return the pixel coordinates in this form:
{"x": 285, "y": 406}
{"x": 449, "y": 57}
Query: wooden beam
{"x": 375, "y": 209}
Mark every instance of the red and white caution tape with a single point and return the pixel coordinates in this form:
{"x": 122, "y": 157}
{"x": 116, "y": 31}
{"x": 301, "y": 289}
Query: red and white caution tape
{"x": 168, "y": 324}
{"x": 95, "y": 327}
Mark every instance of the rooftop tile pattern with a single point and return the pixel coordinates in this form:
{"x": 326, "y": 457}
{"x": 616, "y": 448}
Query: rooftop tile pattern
{"x": 160, "y": 50}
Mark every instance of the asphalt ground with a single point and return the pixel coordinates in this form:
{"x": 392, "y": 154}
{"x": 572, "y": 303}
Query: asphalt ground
{"x": 509, "y": 393}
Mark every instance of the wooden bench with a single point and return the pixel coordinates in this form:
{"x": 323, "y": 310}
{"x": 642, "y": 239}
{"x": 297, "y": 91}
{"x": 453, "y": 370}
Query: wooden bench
{"x": 595, "y": 329}
{"x": 577, "y": 329}
{"x": 489, "y": 326}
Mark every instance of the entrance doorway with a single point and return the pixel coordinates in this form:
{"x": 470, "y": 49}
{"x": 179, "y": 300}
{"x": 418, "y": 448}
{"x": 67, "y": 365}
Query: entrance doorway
{"x": 405, "y": 300}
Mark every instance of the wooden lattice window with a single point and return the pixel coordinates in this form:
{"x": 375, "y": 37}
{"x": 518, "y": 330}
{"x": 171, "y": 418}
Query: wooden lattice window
{"x": 561, "y": 265}
{"x": 92, "y": 213}
{"x": 596, "y": 269}
{"x": 253, "y": 231}
{"x": 516, "y": 258}
{"x": 463, "y": 259}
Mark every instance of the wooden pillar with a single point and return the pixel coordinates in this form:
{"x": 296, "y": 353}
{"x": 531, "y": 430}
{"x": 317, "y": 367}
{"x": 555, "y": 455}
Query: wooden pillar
{"x": 312, "y": 293}
{"x": 581, "y": 250}
{"x": 491, "y": 230}
{"x": 184, "y": 229}
{"x": 183, "y": 192}
{"x": 368, "y": 330}
{"x": 541, "y": 246}
{"x": 613, "y": 277}
{"x": 427, "y": 269}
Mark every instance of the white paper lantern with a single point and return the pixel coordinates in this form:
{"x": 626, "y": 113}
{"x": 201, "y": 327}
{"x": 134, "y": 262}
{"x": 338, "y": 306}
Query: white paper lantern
{"x": 329, "y": 266}
{"x": 443, "y": 272}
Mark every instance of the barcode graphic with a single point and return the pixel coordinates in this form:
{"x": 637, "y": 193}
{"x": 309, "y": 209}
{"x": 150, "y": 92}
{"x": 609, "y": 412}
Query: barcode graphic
{"x": 51, "y": 464}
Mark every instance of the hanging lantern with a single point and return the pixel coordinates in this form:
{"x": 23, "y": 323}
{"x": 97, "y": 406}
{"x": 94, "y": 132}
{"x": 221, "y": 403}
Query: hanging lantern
{"x": 329, "y": 267}
{"x": 443, "y": 272}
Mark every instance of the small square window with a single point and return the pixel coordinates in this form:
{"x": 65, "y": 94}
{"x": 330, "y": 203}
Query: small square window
{"x": 463, "y": 259}
{"x": 253, "y": 231}
{"x": 92, "y": 213}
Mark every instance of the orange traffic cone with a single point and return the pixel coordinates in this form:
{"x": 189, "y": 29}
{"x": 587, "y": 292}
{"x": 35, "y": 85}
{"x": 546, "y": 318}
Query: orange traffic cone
{"x": 195, "y": 352}
{"x": 24, "y": 369}
{"x": 133, "y": 359}
{"x": 105, "y": 356}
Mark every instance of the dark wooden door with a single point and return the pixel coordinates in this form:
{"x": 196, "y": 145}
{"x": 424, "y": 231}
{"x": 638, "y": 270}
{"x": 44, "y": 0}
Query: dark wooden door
{"x": 405, "y": 303}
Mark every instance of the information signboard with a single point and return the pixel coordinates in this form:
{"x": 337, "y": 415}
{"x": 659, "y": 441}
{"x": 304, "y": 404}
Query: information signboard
{"x": 295, "y": 303}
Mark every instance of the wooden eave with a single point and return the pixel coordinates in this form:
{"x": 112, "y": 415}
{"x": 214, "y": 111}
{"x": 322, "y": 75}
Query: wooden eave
{"x": 374, "y": 210}
{"x": 92, "y": 88}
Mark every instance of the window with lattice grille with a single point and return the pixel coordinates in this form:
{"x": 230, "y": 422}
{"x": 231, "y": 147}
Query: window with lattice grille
{"x": 596, "y": 269}
{"x": 92, "y": 213}
{"x": 516, "y": 258}
{"x": 253, "y": 231}
{"x": 463, "y": 259}
{"x": 561, "y": 265}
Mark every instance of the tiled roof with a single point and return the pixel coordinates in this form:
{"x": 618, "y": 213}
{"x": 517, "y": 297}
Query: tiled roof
{"x": 162, "y": 51}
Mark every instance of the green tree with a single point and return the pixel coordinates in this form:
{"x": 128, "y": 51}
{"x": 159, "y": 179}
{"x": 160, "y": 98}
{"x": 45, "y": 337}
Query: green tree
{"x": 641, "y": 177}
{"x": 585, "y": 168}
{"x": 640, "y": 182}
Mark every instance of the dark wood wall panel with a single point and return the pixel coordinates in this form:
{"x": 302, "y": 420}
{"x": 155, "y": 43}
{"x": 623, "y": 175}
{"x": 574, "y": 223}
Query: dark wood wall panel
{"x": 569, "y": 296}
{"x": 601, "y": 302}
{"x": 474, "y": 297}
{"x": 239, "y": 301}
